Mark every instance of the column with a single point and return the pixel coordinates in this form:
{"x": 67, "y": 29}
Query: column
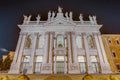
{"x": 106, "y": 64}
{"x": 74, "y": 48}
{"x": 65, "y": 66}
{"x": 51, "y": 48}
{"x": 55, "y": 64}
{"x": 99, "y": 51}
{"x": 17, "y": 48}
{"x": 89, "y": 67}
{"x": 13, "y": 65}
{"x": 102, "y": 48}
{"x": 33, "y": 50}
{"x": 45, "y": 48}
{"x": 21, "y": 53}
{"x": 69, "y": 48}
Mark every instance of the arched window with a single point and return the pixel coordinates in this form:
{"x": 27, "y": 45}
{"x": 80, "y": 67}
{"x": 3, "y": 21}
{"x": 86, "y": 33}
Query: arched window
{"x": 60, "y": 41}
{"x": 28, "y": 42}
{"x": 79, "y": 41}
{"x": 91, "y": 41}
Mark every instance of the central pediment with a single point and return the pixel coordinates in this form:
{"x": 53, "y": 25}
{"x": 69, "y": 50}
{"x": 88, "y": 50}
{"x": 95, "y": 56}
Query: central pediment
{"x": 60, "y": 22}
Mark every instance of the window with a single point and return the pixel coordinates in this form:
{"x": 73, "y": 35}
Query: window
{"x": 81, "y": 59}
{"x": 79, "y": 41}
{"x": 26, "y": 59}
{"x": 82, "y": 64}
{"x": 118, "y": 66}
{"x": 60, "y": 58}
{"x": 117, "y": 42}
{"x": 41, "y": 41}
{"x": 39, "y": 58}
{"x": 94, "y": 62}
{"x": 60, "y": 41}
{"x": 109, "y": 41}
{"x": 113, "y": 53}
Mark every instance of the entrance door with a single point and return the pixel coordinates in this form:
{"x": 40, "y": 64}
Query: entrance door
{"x": 60, "y": 67}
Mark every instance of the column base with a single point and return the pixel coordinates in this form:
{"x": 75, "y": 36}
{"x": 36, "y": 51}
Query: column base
{"x": 106, "y": 68}
{"x": 46, "y": 68}
{"x": 14, "y": 69}
{"x": 73, "y": 68}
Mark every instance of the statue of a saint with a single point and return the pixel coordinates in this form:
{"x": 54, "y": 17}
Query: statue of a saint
{"x": 66, "y": 15}
{"x": 49, "y": 15}
{"x": 29, "y": 18}
{"x": 94, "y": 19}
{"x": 25, "y": 19}
{"x": 81, "y": 18}
{"x": 91, "y": 20}
{"x": 53, "y": 15}
{"x": 38, "y": 18}
{"x": 59, "y": 9}
{"x": 70, "y": 14}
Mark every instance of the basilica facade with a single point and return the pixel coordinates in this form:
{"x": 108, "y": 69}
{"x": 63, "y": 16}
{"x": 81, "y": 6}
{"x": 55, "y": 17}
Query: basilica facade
{"x": 60, "y": 45}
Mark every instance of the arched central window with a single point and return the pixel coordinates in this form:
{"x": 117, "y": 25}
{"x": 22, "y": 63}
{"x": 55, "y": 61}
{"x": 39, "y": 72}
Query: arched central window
{"x": 60, "y": 41}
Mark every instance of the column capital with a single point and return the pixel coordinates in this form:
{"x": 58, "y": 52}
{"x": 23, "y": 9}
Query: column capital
{"x": 96, "y": 33}
{"x": 23, "y": 33}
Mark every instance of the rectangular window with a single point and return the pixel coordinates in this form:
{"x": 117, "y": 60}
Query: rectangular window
{"x": 109, "y": 41}
{"x": 118, "y": 42}
{"x": 82, "y": 64}
{"x": 26, "y": 59}
{"x": 113, "y": 54}
{"x": 39, "y": 58}
{"x": 118, "y": 66}
{"x": 94, "y": 62}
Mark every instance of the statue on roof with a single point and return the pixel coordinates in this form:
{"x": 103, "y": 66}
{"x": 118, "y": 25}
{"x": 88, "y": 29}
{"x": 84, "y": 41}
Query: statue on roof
{"x": 28, "y": 19}
{"x": 38, "y": 18}
{"x": 25, "y": 18}
{"x": 91, "y": 19}
{"x": 94, "y": 19}
{"x": 49, "y": 15}
{"x": 53, "y": 15}
{"x": 81, "y": 18}
{"x": 59, "y": 9}
{"x": 70, "y": 14}
{"x": 66, "y": 15}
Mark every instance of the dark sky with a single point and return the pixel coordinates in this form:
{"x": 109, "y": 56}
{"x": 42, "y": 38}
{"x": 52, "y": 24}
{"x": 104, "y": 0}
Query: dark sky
{"x": 11, "y": 14}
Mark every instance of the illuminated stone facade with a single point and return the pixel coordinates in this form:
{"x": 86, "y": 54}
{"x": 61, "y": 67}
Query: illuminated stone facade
{"x": 112, "y": 47}
{"x": 60, "y": 45}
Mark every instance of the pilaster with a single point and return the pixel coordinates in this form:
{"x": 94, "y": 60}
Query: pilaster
{"x": 106, "y": 65}
{"x": 32, "y": 58}
{"x": 13, "y": 66}
{"x": 51, "y": 48}
{"x": 46, "y": 48}
{"x": 89, "y": 66}
{"x": 99, "y": 52}
{"x": 21, "y": 53}
{"x": 74, "y": 47}
{"x": 69, "y": 48}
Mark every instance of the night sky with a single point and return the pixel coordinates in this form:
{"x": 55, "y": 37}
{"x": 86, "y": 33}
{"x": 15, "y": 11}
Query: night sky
{"x": 12, "y": 11}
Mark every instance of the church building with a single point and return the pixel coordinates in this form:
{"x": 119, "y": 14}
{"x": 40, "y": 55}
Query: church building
{"x": 60, "y": 45}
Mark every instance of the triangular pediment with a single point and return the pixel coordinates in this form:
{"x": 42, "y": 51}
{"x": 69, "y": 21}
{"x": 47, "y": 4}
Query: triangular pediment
{"x": 60, "y": 22}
